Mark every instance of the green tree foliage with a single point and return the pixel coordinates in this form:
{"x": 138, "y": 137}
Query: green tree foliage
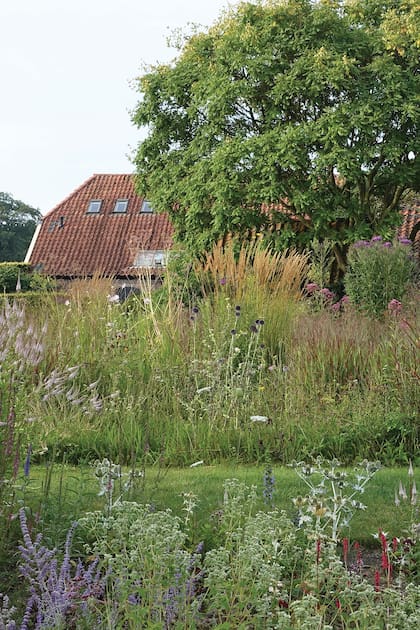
{"x": 315, "y": 104}
{"x": 17, "y": 225}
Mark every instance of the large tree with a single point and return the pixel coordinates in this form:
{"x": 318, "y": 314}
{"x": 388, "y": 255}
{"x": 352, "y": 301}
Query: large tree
{"x": 311, "y": 104}
{"x": 17, "y": 225}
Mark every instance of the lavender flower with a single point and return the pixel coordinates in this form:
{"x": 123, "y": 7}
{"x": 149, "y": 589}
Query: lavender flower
{"x": 404, "y": 241}
{"x": 55, "y": 595}
{"x": 376, "y": 239}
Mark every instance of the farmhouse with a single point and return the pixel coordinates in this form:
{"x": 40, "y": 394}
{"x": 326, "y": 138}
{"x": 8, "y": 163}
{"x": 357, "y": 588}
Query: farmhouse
{"x": 102, "y": 228}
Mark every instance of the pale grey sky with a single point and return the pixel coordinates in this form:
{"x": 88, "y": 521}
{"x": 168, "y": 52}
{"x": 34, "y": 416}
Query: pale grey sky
{"x": 65, "y": 72}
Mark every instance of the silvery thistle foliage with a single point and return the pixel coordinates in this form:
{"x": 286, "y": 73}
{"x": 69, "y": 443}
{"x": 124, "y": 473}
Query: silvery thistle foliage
{"x": 331, "y": 502}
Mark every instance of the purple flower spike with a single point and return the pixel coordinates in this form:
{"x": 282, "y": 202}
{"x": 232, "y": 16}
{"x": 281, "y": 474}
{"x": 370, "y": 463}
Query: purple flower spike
{"x": 27, "y": 464}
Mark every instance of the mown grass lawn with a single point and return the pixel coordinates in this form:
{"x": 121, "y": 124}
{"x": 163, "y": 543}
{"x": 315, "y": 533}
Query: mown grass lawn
{"x": 70, "y": 491}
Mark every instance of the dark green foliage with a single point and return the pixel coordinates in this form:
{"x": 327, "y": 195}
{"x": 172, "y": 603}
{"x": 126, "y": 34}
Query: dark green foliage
{"x": 313, "y": 103}
{"x": 13, "y": 272}
{"x": 17, "y": 225}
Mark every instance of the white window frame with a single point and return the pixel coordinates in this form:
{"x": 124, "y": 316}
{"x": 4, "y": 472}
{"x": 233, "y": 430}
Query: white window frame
{"x": 121, "y": 206}
{"x": 150, "y": 258}
{"x": 94, "y": 206}
{"x": 146, "y": 208}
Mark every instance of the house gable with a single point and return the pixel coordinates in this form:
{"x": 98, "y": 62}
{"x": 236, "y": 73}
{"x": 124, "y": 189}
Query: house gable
{"x": 99, "y": 229}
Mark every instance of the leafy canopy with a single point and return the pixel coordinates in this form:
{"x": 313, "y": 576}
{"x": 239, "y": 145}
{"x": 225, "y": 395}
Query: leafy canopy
{"x": 312, "y": 104}
{"x": 17, "y": 225}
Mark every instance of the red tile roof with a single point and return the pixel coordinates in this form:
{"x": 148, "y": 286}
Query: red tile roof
{"x": 410, "y": 227}
{"x": 74, "y": 243}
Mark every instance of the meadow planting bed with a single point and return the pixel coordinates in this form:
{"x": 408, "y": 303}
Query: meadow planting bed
{"x": 242, "y": 456}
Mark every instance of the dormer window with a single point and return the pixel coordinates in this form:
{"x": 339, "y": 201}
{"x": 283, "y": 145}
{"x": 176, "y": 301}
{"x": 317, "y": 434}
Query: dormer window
{"x": 121, "y": 206}
{"x": 146, "y": 208}
{"x": 94, "y": 206}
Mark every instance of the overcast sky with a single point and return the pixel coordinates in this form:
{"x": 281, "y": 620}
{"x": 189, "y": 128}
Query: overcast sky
{"x": 65, "y": 72}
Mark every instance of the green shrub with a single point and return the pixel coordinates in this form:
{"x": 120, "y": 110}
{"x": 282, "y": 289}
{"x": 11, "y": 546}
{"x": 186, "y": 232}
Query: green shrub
{"x": 378, "y": 273}
{"x": 11, "y": 273}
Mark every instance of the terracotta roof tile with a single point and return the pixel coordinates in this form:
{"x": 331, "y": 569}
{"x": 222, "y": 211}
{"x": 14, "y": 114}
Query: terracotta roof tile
{"x": 74, "y": 243}
{"x": 410, "y": 227}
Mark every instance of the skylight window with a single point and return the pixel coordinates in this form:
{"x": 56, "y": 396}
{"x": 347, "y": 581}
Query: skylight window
{"x": 94, "y": 206}
{"x": 146, "y": 207}
{"x": 121, "y": 206}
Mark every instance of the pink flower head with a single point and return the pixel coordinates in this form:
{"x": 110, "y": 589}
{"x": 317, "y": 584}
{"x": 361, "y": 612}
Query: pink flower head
{"x": 222, "y": 281}
{"x": 394, "y": 307}
{"x": 311, "y": 288}
{"x": 387, "y": 244}
{"x": 336, "y": 307}
{"x": 345, "y": 299}
{"x": 327, "y": 294}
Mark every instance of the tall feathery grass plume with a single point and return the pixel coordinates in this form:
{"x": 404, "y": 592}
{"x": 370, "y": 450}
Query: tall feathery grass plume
{"x": 236, "y": 267}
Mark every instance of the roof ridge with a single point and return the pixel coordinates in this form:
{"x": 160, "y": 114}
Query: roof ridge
{"x": 85, "y": 183}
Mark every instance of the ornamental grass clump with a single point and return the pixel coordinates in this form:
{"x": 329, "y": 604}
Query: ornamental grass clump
{"x": 379, "y": 274}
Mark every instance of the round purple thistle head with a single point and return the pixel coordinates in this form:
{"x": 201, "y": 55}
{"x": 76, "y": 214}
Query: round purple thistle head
{"x": 222, "y": 281}
{"x": 404, "y": 241}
